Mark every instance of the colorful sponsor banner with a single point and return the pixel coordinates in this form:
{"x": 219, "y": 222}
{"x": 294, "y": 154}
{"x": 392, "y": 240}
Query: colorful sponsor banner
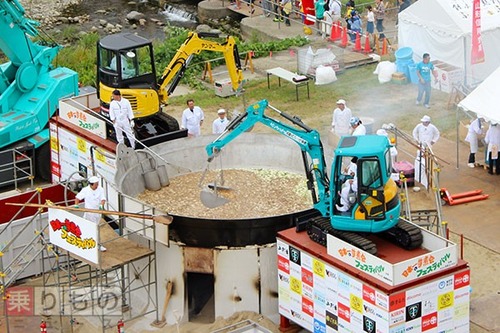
{"x": 327, "y": 299}
{"x": 477, "y": 51}
{"x": 74, "y": 234}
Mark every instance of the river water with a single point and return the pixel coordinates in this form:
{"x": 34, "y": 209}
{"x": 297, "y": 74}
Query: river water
{"x": 175, "y": 13}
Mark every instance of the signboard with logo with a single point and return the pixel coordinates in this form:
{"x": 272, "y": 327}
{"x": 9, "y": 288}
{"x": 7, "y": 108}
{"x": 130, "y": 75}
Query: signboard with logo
{"x": 78, "y": 111}
{"x": 442, "y": 255}
{"x": 322, "y": 298}
{"x": 74, "y": 234}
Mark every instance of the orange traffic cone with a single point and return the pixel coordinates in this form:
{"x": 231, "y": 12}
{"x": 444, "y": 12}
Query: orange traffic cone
{"x": 333, "y": 32}
{"x": 343, "y": 43}
{"x": 367, "y": 48}
{"x": 384, "y": 47}
{"x": 357, "y": 43}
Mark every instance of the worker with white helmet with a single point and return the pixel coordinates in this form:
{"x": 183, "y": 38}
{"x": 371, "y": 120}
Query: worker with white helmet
{"x": 425, "y": 133}
{"x": 357, "y": 126}
{"x": 219, "y": 125}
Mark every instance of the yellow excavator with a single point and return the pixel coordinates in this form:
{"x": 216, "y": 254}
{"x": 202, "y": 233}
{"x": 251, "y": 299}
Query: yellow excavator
{"x": 126, "y": 62}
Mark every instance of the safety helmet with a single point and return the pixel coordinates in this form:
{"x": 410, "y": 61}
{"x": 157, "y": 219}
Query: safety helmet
{"x": 354, "y": 121}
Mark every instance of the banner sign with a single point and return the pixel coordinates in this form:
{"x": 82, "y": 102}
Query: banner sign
{"x": 74, "y": 234}
{"x": 477, "y": 55}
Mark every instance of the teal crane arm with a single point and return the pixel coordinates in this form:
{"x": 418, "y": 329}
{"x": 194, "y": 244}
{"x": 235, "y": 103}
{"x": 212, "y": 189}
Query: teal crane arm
{"x": 308, "y": 140}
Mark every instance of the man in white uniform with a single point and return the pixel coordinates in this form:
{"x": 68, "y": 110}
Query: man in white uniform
{"x": 347, "y": 195}
{"x": 357, "y": 127}
{"x": 192, "y": 119}
{"x": 426, "y": 135}
{"x": 120, "y": 113}
{"x": 94, "y": 198}
{"x": 340, "y": 122}
{"x": 219, "y": 125}
{"x": 475, "y": 130}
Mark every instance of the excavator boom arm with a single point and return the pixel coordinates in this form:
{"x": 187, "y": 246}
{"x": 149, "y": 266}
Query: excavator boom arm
{"x": 193, "y": 45}
{"x": 307, "y": 139}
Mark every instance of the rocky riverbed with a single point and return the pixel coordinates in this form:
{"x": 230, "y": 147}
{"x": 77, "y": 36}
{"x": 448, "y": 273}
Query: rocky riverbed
{"x": 105, "y": 16}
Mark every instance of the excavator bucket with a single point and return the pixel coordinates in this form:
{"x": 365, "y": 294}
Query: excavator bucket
{"x": 210, "y": 198}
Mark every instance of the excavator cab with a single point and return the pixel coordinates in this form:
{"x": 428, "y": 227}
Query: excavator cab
{"x": 126, "y": 62}
{"x": 376, "y": 205}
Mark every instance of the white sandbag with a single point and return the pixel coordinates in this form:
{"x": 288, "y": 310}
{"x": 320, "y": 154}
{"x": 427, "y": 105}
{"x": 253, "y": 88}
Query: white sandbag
{"x": 385, "y": 69}
{"x": 325, "y": 75}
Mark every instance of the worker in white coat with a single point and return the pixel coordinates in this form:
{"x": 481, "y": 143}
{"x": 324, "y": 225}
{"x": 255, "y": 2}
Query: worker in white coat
{"x": 341, "y": 116}
{"x": 426, "y": 134}
{"x": 475, "y": 130}
{"x": 192, "y": 119}
{"x": 219, "y": 125}
{"x": 357, "y": 126}
{"x": 348, "y": 195}
{"x": 120, "y": 113}
{"x": 94, "y": 198}
{"x": 492, "y": 139}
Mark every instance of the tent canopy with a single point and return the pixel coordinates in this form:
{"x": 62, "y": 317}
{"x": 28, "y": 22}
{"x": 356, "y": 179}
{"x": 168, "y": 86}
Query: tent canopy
{"x": 485, "y": 99}
{"x": 443, "y": 28}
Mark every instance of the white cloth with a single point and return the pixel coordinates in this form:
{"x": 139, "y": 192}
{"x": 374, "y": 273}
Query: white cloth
{"x": 191, "y": 120}
{"x": 340, "y": 122}
{"x": 492, "y": 138}
{"x": 360, "y": 130}
{"x": 427, "y": 135}
{"x": 475, "y": 129}
{"x": 219, "y": 125}
{"x": 120, "y": 113}
{"x": 345, "y": 205}
{"x": 92, "y": 199}
{"x": 352, "y": 169}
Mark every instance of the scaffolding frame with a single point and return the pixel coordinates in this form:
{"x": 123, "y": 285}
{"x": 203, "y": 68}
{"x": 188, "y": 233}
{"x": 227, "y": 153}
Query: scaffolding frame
{"x": 76, "y": 288}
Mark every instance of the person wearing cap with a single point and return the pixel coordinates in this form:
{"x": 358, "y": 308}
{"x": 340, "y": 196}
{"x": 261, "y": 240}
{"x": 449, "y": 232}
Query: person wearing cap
{"x": 219, "y": 125}
{"x": 425, "y": 133}
{"x": 424, "y": 70}
{"x": 357, "y": 126}
{"x": 94, "y": 198}
{"x": 192, "y": 119}
{"x": 341, "y": 116}
{"x": 120, "y": 113}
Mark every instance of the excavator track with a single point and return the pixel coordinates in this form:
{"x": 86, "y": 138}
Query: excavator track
{"x": 405, "y": 235}
{"x": 321, "y": 226}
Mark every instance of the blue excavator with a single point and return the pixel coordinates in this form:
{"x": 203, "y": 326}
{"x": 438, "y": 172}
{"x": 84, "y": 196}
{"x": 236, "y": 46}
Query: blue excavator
{"x": 30, "y": 90}
{"x": 375, "y": 206}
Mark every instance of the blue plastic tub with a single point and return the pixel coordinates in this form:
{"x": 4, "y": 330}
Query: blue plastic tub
{"x": 413, "y": 73}
{"x": 404, "y": 53}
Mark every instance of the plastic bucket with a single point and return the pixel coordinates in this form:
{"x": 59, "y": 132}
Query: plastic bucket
{"x": 163, "y": 175}
{"x": 413, "y": 73}
{"x": 404, "y": 53}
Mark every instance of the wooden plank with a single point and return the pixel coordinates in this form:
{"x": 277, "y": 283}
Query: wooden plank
{"x": 119, "y": 250}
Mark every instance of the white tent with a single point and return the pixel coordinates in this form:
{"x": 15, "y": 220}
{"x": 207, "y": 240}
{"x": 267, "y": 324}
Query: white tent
{"x": 443, "y": 29}
{"x": 485, "y": 99}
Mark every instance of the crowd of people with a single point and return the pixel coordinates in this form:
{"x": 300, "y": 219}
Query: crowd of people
{"x": 326, "y": 13}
